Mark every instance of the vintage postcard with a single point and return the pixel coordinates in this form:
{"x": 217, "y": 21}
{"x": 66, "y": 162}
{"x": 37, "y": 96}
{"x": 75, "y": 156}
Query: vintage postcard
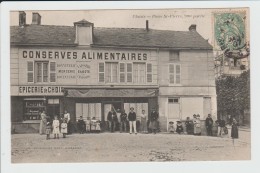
{"x": 130, "y": 85}
{"x": 127, "y": 87}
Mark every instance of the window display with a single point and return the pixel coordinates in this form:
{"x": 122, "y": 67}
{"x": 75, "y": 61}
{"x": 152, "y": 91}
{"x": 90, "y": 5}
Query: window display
{"x": 33, "y": 109}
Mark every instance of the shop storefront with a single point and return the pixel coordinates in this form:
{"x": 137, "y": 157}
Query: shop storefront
{"x": 89, "y": 71}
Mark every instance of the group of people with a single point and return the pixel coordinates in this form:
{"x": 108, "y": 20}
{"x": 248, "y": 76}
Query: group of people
{"x": 56, "y": 126}
{"x": 115, "y": 117}
{"x": 193, "y": 127}
{"x": 88, "y": 125}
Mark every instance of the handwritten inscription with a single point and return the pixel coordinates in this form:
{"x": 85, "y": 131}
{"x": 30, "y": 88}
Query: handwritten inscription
{"x": 168, "y": 16}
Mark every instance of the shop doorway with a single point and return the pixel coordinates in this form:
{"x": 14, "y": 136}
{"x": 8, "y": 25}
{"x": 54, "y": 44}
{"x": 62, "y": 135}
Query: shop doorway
{"x": 173, "y": 109}
{"x": 53, "y": 108}
{"x": 110, "y": 106}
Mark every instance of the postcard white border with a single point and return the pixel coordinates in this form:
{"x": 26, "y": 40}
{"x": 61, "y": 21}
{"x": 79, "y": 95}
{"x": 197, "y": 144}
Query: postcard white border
{"x": 198, "y": 166}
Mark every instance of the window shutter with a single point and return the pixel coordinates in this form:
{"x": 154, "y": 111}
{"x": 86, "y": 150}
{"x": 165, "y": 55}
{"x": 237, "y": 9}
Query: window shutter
{"x": 171, "y": 73}
{"x": 149, "y": 73}
{"x": 129, "y": 70}
{"x": 178, "y": 74}
{"x": 101, "y": 72}
{"x": 52, "y": 71}
{"x": 122, "y": 72}
{"x": 30, "y": 71}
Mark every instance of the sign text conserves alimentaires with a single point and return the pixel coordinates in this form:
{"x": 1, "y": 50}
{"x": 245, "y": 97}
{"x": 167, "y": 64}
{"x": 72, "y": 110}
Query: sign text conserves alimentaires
{"x": 88, "y": 55}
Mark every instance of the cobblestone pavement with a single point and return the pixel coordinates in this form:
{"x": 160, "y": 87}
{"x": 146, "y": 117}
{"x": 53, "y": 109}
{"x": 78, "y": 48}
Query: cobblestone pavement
{"x": 117, "y": 147}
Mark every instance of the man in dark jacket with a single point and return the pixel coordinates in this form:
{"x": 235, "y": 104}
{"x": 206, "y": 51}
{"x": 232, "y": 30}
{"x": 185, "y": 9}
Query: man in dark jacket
{"x": 189, "y": 126}
{"x": 81, "y": 125}
{"x": 222, "y": 125}
{"x": 114, "y": 121}
{"x": 123, "y": 120}
{"x": 153, "y": 121}
{"x": 209, "y": 123}
{"x": 109, "y": 119}
{"x": 132, "y": 120}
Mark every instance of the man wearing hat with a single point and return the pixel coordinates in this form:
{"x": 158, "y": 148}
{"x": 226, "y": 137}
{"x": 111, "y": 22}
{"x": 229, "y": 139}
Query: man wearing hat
{"x": 153, "y": 122}
{"x": 81, "y": 125}
{"x": 209, "y": 124}
{"x": 132, "y": 120}
{"x": 123, "y": 120}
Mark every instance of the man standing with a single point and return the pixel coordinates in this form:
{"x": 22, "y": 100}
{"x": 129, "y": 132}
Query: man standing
{"x": 132, "y": 120}
{"x": 209, "y": 123}
{"x": 109, "y": 119}
{"x": 67, "y": 118}
{"x": 222, "y": 125}
{"x": 81, "y": 125}
{"x": 123, "y": 119}
{"x": 153, "y": 123}
{"x": 114, "y": 121}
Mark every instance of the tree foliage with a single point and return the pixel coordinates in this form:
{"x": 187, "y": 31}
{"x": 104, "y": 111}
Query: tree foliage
{"x": 233, "y": 94}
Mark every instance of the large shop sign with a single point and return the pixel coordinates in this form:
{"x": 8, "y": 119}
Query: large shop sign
{"x": 40, "y": 90}
{"x": 84, "y": 55}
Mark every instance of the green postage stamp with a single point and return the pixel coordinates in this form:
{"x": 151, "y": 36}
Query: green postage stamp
{"x": 230, "y": 33}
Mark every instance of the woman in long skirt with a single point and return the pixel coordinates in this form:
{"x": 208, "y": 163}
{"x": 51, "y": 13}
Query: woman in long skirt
{"x": 197, "y": 126}
{"x": 143, "y": 122}
{"x": 43, "y": 123}
{"x": 234, "y": 129}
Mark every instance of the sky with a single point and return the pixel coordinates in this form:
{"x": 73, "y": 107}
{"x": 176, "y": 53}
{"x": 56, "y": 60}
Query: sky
{"x": 178, "y": 20}
{"x": 163, "y": 19}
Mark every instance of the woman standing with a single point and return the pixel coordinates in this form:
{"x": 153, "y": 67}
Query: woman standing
{"x": 189, "y": 126}
{"x": 197, "y": 126}
{"x": 43, "y": 123}
{"x": 143, "y": 122}
{"x": 153, "y": 122}
{"x": 234, "y": 129}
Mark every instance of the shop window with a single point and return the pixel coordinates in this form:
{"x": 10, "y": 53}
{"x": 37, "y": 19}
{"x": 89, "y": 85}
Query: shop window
{"x": 33, "y": 109}
{"x": 88, "y": 110}
{"x": 139, "y": 72}
{"x": 101, "y": 72}
{"x": 149, "y": 73}
{"x": 174, "y": 74}
{"x": 111, "y": 72}
{"x": 30, "y": 71}
{"x": 41, "y": 71}
{"x": 138, "y": 107}
{"x": 174, "y": 56}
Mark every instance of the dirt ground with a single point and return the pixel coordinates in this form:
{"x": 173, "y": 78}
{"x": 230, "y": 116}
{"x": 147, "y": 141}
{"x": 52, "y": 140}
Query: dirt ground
{"x": 123, "y": 147}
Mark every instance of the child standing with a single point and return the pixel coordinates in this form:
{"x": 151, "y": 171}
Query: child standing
{"x": 48, "y": 130}
{"x": 64, "y": 128}
{"x": 171, "y": 128}
{"x": 56, "y": 127}
{"x": 179, "y": 128}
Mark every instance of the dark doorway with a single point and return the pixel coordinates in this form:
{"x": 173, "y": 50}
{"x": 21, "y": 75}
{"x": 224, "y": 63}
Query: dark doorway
{"x": 52, "y": 110}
